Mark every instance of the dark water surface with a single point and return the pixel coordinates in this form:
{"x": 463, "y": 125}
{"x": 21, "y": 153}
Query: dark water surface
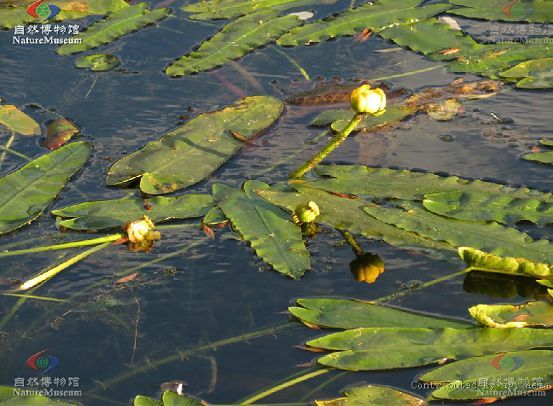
{"x": 217, "y": 289}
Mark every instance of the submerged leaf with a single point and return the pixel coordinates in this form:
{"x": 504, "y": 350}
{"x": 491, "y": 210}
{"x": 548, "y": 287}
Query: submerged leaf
{"x": 483, "y": 261}
{"x": 486, "y": 236}
{"x": 117, "y": 24}
{"x": 498, "y": 376}
{"x": 17, "y": 121}
{"x": 102, "y": 214}
{"x": 59, "y": 132}
{"x": 190, "y": 153}
{"x": 235, "y": 40}
{"x": 472, "y": 205}
{"x": 370, "y": 349}
{"x": 373, "y": 395}
{"x": 25, "y": 193}
{"x": 97, "y": 62}
{"x": 267, "y": 228}
{"x": 531, "y": 314}
{"x": 347, "y": 314}
{"x": 375, "y": 17}
{"x": 536, "y": 11}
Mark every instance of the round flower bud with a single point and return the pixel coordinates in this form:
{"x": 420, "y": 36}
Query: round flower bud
{"x": 366, "y": 267}
{"x": 141, "y": 234}
{"x": 367, "y": 100}
{"x": 305, "y": 213}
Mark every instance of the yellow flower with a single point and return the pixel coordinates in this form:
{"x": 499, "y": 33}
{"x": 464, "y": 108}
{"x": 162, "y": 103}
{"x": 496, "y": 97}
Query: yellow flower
{"x": 366, "y": 267}
{"x": 367, "y": 100}
{"x": 305, "y": 213}
{"x": 141, "y": 234}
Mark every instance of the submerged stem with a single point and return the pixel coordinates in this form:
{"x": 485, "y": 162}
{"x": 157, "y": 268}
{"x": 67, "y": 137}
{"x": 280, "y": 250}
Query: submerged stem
{"x": 397, "y": 295}
{"x": 294, "y": 63}
{"x": 331, "y": 146}
{"x": 284, "y": 385}
{"x": 189, "y": 352}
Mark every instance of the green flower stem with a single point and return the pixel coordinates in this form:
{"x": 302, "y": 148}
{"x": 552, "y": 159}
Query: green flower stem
{"x": 284, "y": 385}
{"x": 331, "y": 146}
{"x": 7, "y": 147}
{"x": 50, "y": 273}
{"x": 355, "y": 246}
{"x": 64, "y": 246}
{"x": 397, "y": 295}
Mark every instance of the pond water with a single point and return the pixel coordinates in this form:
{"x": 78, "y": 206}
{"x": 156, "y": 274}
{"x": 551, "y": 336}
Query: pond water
{"x": 124, "y": 340}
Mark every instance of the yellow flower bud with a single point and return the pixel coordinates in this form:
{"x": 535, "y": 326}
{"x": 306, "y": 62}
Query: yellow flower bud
{"x": 306, "y": 213}
{"x": 141, "y": 234}
{"x": 366, "y": 267}
{"x": 367, "y": 100}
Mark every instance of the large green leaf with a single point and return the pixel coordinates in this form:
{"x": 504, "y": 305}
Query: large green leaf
{"x": 235, "y": 40}
{"x": 373, "y": 395}
{"x": 69, "y": 9}
{"x": 117, "y": 24}
{"x": 190, "y": 153}
{"x": 534, "y": 74}
{"x": 494, "y": 376}
{"x": 430, "y": 37}
{"x": 531, "y": 314}
{"x": 440, "y": 42}
{"x": 103, "y": 214}
{"x": 406, "y": 185}
{"x": 17, "y": 121}
{"x": 483, "y": 261}
{"x": 25, "y": 193}
{"x": 376, "y": 17}
{"x": 536, "y": 11}
{"x": 491, "y": 237}
{"x": 374, "y": 348}
{"x": 217, "y": 9}
{"x": 474, "y": 205}
{"x": 344, "y": 213}
{"x": 346, "y": 314}
{"x": 492, "y": 59}
{"x": 267, "y": 228}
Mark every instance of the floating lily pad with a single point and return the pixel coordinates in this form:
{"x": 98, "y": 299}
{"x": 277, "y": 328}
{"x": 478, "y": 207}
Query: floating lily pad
{"x": 97, "y": 62}
{"x": 269, "y": 229}
{"x": 381, "y": 348}
{"x": 536, "y": 11}
{"x": 498, "y": 376}
{"x": 25, "y": 193}
{"x": 531, "y": 314}
{"x": 102, "y": 214}
{"x": 190, "y": 153}
{"x": 346, "y": 314}
{"x": 483, "y": 261}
